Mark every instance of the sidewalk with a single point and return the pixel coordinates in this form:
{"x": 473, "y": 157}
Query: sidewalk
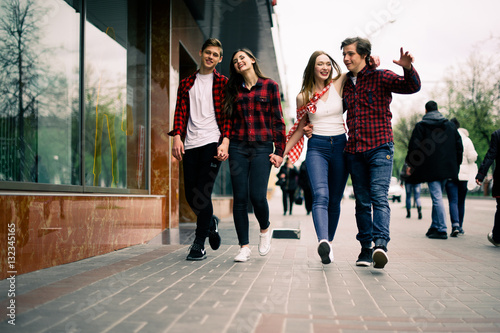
{"x": 428, "y": 285}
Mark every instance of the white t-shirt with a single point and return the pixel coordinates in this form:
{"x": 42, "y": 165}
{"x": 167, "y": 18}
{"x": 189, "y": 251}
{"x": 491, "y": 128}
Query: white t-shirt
{"x": 328, "y": 119}
{"x": 202, "y": 127}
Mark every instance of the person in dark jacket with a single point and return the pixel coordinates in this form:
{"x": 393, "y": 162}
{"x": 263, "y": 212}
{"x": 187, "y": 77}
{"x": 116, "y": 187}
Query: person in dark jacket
{"x": 434, "y": 156}
{"x": 288, "y": 180}
{"x": 411, "y": 189}
{"x": 492, "y": 156}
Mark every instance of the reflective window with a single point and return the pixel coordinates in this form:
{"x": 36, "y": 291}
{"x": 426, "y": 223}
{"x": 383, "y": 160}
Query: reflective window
{"x": 115, "y": 94}
{"x": 39, "y": 98}
{"x": 53, "y": 129}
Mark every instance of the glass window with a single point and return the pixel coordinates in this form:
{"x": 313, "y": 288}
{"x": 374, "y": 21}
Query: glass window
{"x": 39, "y": 98}
{"x": 115, "y": 94}
{"x": 53, "y": 129}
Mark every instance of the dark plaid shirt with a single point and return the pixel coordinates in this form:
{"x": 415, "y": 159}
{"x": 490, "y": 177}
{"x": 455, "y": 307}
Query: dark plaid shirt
{"x": 181, "y": 115}
{"x": 257, "y": 115}
{"x": 367, "y": 105}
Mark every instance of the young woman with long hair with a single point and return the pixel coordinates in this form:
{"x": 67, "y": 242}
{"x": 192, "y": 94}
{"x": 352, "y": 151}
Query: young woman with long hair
{"x": 319, "y": 103}
{"x": 257, "y": 141}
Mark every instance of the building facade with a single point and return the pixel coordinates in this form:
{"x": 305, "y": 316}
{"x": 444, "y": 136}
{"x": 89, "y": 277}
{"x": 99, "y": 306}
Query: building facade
{"x": 88, "y": 97}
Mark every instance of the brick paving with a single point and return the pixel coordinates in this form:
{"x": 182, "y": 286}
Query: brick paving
{"x": 428, "y": 285}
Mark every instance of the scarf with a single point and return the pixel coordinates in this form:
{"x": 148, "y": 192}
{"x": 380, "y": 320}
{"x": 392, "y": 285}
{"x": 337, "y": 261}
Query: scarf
{"x": 296, "y": 150}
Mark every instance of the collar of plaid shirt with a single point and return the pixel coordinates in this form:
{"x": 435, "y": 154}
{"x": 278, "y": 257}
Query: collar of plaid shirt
{"x": 296, "y": 150}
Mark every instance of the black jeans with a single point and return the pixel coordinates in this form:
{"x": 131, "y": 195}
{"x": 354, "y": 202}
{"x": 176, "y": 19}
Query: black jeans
{"x": 288, "y": 197}
{"x": 250, "y": 168}
{"x": 200, "y": 172}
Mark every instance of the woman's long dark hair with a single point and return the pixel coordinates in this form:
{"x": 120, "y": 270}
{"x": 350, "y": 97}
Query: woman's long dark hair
{"x": 236, "y": 80}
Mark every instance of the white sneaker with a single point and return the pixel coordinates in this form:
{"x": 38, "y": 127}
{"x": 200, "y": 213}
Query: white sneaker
{"x": 265, "y": 243}
{"x": 243, "y": 255}
{"x": 325, "y": 251}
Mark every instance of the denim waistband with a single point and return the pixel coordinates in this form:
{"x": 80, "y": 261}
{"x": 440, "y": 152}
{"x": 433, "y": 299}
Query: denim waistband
{"x": 328, "y": 138}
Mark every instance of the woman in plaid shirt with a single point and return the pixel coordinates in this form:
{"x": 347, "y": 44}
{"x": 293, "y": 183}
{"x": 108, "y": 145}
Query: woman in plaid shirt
{"x": 257, "y": 141}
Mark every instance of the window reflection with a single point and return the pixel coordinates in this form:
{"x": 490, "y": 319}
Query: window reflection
{"x": 114, "y": 73}
{"x": 39, "y": 82}
{"x": 41, "y": 101}
{"x": 105, "y": 97}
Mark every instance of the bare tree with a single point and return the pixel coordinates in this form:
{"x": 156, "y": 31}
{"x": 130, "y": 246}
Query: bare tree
{"x": 19, "y": 91}
{"x": 473, "y": 91}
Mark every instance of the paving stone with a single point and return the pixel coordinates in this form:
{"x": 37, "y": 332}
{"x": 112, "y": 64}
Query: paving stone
{"x": 427, "y": 286}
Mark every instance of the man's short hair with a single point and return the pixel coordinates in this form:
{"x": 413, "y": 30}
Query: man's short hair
{"x": 212, "y": 42}
{"x": 363, "y": 45}
{"x": 431, "y": 106}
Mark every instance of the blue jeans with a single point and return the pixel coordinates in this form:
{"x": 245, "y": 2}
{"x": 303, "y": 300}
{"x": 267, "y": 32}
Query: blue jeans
{"x": 456, "y": 191}
{"x": 438, "y": 211}
{"x": 250, "y": 168}
{"x": 415, "y": 189}
{"x": 328, "y": 175}
{"x": 371, "y": 173}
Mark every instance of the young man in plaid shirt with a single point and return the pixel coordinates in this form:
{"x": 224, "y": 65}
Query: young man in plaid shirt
{"x": 370, "y": 149}
{"x": 201, "y": 135}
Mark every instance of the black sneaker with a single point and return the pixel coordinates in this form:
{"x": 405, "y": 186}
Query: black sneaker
{"x": 492, "y": 241}
{"x": 455, "y": 231}
{"x": 431, "y": 231}
{"x": 438, "y": 235}
{"x": 213, "y": 233}
{"x": 365, "y": 257}
{"x": 196, "y": 252}
{"x": 380, "y": 257}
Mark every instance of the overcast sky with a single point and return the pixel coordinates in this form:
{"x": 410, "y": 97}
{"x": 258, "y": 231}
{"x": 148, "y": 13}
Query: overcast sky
{"x": 439, "y": 34}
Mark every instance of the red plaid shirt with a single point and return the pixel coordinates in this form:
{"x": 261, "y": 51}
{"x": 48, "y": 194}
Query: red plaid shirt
{"x": 181, "y": 115}
{"x": 257, "y": 115}
{"x": 367, "y": 104}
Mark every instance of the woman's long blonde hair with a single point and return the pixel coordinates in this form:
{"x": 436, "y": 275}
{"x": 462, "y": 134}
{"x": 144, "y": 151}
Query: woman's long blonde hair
{"x": 308, "y": 80}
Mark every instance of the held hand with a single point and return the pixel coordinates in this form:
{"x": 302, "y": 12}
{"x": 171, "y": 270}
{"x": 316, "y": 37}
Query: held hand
{"x": 478, "y": 182}
{"x": 275, "y": 160}
{"x": 178, "y": 148}
{"x": 222, "y": 152}
{"x": 308, "y": 130}
{"x": 405, "y": 59}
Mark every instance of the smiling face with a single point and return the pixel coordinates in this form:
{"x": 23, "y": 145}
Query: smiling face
{"x": 322, "y": 68}
{"x": 210, "y": 57}
{"x": 352, "y": 59}
{"x": 242, "y": 62}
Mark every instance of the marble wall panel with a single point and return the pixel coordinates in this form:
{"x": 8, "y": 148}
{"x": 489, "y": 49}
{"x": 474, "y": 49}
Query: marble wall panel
{"x": 54, "y": 230}
{"x": 160, "y": 113}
